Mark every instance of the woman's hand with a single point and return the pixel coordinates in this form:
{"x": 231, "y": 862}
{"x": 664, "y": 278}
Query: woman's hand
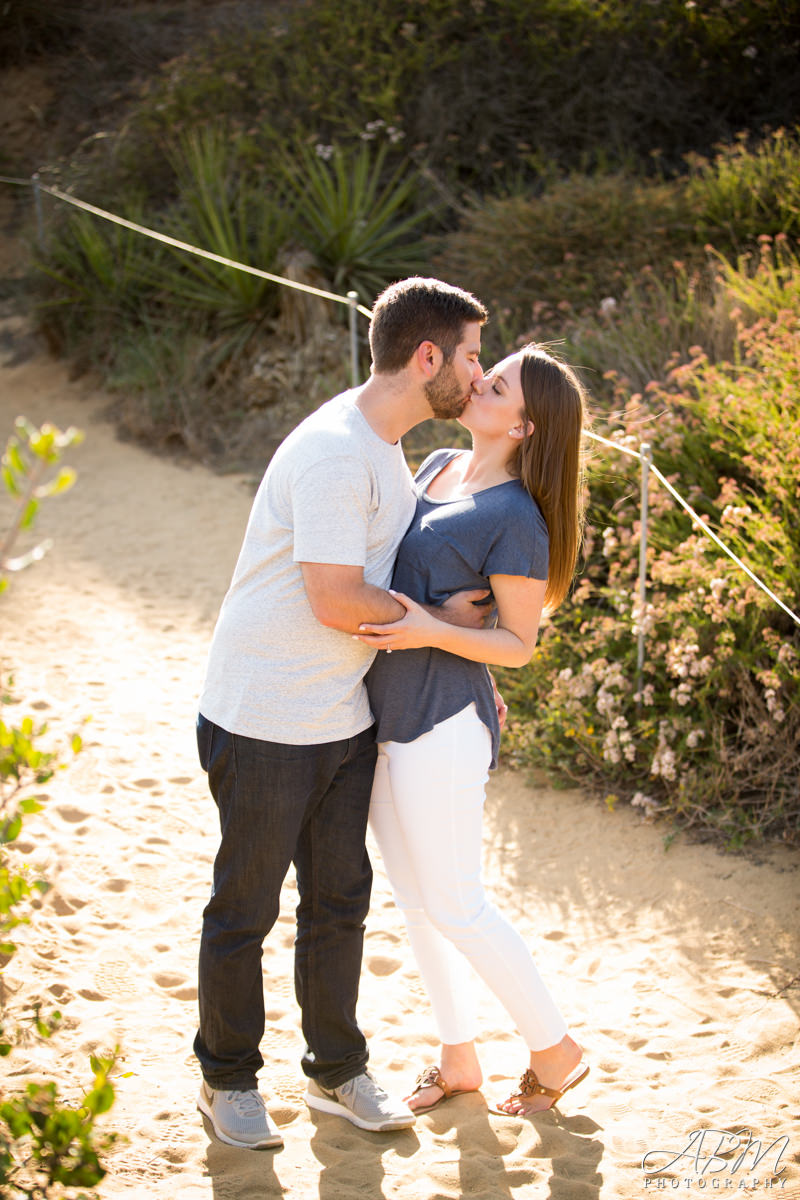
{"x": 415, "y": 629}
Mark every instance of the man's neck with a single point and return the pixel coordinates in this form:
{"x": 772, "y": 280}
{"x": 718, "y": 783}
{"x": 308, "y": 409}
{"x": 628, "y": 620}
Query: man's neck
{"x": 391, "y": 407}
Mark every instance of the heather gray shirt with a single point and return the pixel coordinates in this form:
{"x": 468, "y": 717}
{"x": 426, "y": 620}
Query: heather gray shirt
{"x": 334, "y": 492}
{"x": 452, "y": 545}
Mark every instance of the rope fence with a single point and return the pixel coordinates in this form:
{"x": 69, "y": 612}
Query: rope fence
{"x": 643, "y": 454}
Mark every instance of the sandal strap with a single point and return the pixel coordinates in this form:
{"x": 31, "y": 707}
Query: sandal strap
{"x": 529, "y": 1086}
{"x": 432, "y": 1077}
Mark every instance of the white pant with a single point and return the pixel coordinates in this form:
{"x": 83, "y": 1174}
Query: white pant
{"x": 426, "y": 814}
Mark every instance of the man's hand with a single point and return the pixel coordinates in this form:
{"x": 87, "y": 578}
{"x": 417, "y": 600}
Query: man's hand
{"x": 500, "y": 704}
{"x": 462, "y": 608}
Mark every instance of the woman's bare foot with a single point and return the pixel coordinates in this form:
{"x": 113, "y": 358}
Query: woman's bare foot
{"x": 557, "y": 1068}
{"x": 459, "y": 1069}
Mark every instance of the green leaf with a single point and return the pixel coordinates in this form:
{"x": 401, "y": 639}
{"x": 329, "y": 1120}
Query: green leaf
{"x": 29, "y": 513}
{"x": 30, "y": 804}
{"x": 62, "y": 483}
{"x": 14, "y": 457}
{"x": 9, "y": 832}
{"x": 10, "y": 481}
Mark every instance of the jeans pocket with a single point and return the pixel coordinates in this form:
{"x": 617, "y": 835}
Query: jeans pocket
{"x": 205, "y": 739}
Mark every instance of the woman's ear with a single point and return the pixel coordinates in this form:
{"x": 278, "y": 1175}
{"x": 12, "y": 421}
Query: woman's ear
{"x": 523, "y": 430}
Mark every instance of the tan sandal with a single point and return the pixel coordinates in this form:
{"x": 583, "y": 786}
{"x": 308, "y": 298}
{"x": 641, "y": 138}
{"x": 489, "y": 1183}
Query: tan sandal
{"x": 529, "y": 1085}
{"x": 432, "y": 1077}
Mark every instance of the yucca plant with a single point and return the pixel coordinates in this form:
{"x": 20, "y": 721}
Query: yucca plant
{"x": 228, "y": 211}
{"x": 96, "y": 278}
{"x": 362, "y": 226}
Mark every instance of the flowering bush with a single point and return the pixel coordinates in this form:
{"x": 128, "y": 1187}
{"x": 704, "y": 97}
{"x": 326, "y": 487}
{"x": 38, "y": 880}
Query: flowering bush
{"x": 709, "y": 729}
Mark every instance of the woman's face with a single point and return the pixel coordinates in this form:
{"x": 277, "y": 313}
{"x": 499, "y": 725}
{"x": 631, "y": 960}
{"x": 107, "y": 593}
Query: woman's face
{"x": 497, "y": 404}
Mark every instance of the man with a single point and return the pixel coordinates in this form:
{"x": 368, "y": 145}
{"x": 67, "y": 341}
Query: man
{"x": 285, "y": 729}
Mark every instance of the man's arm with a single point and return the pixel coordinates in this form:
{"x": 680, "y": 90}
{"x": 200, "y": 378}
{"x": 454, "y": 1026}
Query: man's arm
{"x": 340, "y": 598}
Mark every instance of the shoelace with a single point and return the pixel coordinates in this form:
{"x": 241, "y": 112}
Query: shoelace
{"x": 246, "y": 1104}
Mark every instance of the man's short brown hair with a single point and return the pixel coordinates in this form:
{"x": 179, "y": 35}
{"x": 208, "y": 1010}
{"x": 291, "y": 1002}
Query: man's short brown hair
{"x": 418, "y": 310}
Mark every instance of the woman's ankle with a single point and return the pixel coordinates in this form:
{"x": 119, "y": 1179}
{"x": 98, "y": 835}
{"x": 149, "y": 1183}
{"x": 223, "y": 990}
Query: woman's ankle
{"x": 556, "y": 1061}
{"x": 460, "y": 1066}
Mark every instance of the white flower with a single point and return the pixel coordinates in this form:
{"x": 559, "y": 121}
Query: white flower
{"x": 609, "y": 542}
{"x": 663, "y": 763}
{"x": 607, "y": 306}
{"x": 611, "y": 747}
{"x": 786, "y": 655}
{"x": 648, "y": 806}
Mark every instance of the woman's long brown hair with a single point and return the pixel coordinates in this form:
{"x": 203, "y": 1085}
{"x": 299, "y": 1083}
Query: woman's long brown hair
{"x": 549, "y": 462}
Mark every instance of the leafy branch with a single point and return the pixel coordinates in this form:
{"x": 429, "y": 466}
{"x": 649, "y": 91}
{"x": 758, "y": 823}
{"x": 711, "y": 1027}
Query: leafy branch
{"x": 30, "y": 452}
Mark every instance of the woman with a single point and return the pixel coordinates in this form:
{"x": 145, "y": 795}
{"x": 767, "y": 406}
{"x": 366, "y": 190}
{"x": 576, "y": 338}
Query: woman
{"x": 508, "y": 512}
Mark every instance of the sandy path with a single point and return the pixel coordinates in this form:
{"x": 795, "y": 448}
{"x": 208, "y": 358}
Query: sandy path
{"x": 677, "y": 969}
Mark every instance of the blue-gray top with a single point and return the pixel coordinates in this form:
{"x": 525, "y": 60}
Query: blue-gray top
{"x": 450, "y": 546}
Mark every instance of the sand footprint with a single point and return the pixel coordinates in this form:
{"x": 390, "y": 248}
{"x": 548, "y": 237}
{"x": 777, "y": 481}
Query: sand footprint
{"x": 117, "y": 885}
{"x": 113, "y": 978}
{"x": 69, "y": 813}
{"x": 381, "y": 964}
{"x": 176, "y": 985}
{"x": 64, "y": 907}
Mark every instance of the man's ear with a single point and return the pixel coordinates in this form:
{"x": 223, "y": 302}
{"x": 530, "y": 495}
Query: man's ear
{"x": 523, "y": 430}
{"x": 428, "y": 358}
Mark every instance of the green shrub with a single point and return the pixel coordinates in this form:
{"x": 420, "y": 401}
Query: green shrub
{"x": 163, "y": 379}
{"x": 361, "y": 227}
{"x": 747, "y": 189}
{"x": 31, "y": 27}
{"x": 480, "y": 88}
{"x": 657, "y": 319}
{"x": 48, "y": 1148}
{"x": 232, "y": 213}
{"x": 566, "y": 249}
{"x": 29, "y": 455}
{"x": 95, "y": 278}
{"x": 710, "y": 734}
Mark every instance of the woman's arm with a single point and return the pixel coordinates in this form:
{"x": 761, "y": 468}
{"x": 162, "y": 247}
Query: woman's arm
{"x": 342, "y": 599}
{"x": 509, "y": 644}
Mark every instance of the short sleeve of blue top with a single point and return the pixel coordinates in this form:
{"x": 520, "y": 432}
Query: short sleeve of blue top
{"x": 452, "y": 545}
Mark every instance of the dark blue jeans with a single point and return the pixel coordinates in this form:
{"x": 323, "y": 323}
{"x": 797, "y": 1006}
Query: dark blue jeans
{"x": 280, "y": 804}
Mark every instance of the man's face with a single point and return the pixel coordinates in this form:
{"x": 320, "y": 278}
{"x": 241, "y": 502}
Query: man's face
{"x": 451, "y": 387}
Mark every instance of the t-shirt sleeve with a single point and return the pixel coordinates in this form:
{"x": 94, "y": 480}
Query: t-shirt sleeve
{"x": 521, "y": 547}
{"x": 432, "y": 465}
{"x": 331, "y": 502}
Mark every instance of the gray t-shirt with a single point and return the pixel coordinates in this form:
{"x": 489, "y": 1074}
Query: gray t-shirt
{"x": 336, "y": 493}
{"x": 452, "y": 545}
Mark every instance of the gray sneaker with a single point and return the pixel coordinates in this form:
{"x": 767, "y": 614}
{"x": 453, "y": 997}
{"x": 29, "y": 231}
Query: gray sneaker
{"x": 239, "y": 1118}
{"x": 363, "y": 1102}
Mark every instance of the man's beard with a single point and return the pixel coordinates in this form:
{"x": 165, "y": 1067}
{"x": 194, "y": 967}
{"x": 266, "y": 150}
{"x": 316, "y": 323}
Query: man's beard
{"x": 444, "y": 394}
